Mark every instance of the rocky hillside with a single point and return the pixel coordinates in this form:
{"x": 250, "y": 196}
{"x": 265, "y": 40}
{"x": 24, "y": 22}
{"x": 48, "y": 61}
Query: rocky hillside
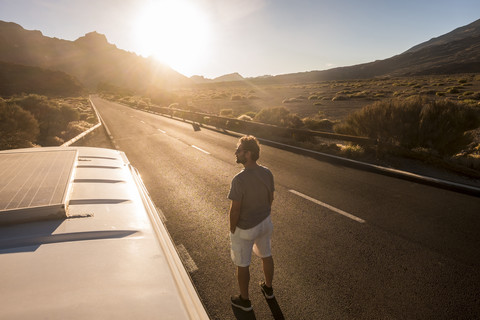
{"x": 91, "y": 59}
{"x": 455, "y": 52}
{"x": 225, "y": 78}
{"x": 15, "y": 79}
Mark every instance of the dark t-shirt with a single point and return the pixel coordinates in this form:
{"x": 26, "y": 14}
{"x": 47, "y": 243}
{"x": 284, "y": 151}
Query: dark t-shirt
{"x": 252, "y": 187}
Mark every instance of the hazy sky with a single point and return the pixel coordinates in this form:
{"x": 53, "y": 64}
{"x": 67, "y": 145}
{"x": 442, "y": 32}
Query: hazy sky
{"x": 252, "y": 37}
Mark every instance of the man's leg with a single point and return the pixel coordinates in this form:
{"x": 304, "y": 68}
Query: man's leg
{"x": 268, "y": 269}
{"x": 243, "y": 276}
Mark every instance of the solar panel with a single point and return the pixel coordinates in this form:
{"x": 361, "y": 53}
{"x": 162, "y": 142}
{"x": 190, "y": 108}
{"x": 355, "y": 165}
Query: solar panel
{"x": 34, "y": 185}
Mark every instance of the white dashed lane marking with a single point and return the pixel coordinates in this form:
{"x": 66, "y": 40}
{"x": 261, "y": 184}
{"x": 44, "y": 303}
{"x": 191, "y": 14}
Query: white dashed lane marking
{"x": 323, "y": 204}
{"x": 200, "y": 149}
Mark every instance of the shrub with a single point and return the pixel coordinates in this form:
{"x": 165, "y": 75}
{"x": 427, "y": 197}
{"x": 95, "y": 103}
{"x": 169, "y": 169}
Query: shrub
{"x": 291, "y": 100}
{"x": 359, "y": 95}
{"x": 468, "y": 160}
{"x": 469, "y": 101}
{"x": 415, "y": 122}
{"x": 19, "y": 128}
{"x": 226, "y": 113}
{"x": 279, "y": 116}
{"x": 340, "y": 98}
{"x": 52, "y": 118}
{"x": 142, "y": 105}
{"x": 318, "y": 124}
{"x": 91, "y": 119}
{"x": 69, "y": 113}
{"x": 219, "y": 96}
{"x": 74, "y": 128}
{"x": 251, "y": 114}
{"x": 237, "y": 97}
{"x": 453, "y": 90}
{"x": 352, "y": 151}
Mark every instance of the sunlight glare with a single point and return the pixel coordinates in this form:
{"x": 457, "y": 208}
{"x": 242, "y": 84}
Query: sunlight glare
{"x": 174, "y": 32}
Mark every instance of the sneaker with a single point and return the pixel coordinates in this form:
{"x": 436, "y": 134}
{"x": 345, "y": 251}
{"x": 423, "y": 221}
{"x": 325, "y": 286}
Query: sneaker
{"x": 239, "y": 302}
{"x": 267, "y": 291}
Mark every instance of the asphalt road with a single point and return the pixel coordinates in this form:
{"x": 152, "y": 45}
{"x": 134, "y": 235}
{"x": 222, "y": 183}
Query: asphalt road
{"x": 347, "y": 244}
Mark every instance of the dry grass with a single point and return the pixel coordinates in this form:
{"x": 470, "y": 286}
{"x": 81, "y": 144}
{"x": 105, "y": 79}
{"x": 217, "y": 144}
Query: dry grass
{"x": 335, "y": 99}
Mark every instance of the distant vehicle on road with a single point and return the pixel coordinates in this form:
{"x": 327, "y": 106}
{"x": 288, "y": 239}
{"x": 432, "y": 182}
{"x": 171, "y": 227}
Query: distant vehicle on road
{"x": 80, "y": 238}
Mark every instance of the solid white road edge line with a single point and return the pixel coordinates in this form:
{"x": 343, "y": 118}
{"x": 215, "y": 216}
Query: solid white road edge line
{"x": 200, "y": 149}
{"x": 187, "y": 259}
{"x": 343, "y": 213}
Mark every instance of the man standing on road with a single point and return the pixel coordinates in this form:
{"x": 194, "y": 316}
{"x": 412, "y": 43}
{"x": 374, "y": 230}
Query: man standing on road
{"x": 251, "y": 228}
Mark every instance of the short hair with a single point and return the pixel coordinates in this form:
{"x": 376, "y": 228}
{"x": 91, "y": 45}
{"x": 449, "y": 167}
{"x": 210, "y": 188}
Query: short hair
{"x": 250, "y": 143}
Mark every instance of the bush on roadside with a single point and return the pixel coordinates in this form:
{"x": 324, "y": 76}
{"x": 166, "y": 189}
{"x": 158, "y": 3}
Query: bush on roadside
{"x": 318, "y": 123}
{"x": 251, "y": 114}
{"x": 226, "y": 113}
{"x": 279, "y": 116}
{"x": 440, "y": 125}
{"x": 51, "y": 116}
{"x": 74, "y": 128}
{"x": 19, "y": 127}
{"x": 352, "y": 151}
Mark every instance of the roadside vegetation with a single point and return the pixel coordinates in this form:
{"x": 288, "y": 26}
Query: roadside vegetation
{"x": 34, "y": 120}
{"x": 422, "y": 128}
{"x": 441, "y": 126}
{"x": 431, "y": 118}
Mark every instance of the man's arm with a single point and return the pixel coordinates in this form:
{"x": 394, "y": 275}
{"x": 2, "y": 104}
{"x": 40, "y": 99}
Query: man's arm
{"x": 270, "y": 198}
{"x": 234, "y": 214}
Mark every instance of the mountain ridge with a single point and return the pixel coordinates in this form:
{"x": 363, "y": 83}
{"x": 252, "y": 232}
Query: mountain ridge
{"x": 455, "y": 52}
{"x": 472, "y": 29}
{"x": 91, "y": 59}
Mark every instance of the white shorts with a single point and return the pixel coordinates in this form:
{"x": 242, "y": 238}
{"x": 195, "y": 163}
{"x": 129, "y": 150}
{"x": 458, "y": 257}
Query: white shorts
{"x": 258, "y": 239}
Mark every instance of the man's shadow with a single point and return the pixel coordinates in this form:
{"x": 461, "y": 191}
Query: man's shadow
{"x": 250, "y": 315}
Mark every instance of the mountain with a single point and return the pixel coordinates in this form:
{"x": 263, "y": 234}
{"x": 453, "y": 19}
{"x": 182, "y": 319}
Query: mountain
{"x": 225, "y": 78}
{"x": 229, "y": 77}
{"x": 91, "y": 59}
{"x": 468, "y": 31}
{"x": 455, "y": 52}
{"x": 16, "y": 79}
{"x": 94, "y": 61}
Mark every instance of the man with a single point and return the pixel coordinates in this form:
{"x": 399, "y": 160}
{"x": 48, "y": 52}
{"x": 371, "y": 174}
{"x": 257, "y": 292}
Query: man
{"x": 251, "y": 228}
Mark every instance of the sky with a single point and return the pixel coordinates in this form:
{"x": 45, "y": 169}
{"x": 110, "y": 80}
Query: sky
{"x": 252, "y": 37}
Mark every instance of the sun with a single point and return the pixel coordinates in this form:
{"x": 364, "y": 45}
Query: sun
{"x": 176, "y": 32}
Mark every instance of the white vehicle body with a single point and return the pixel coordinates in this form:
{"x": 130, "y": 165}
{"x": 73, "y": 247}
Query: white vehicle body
{"x": 81, "y": 239}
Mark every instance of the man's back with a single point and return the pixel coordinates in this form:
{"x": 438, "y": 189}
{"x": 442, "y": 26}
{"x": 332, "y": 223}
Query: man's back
{"x": 253, "y": 187}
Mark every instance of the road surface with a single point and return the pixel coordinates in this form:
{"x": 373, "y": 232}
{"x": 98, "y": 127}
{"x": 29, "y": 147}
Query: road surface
{"x": 347, "y": 244}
